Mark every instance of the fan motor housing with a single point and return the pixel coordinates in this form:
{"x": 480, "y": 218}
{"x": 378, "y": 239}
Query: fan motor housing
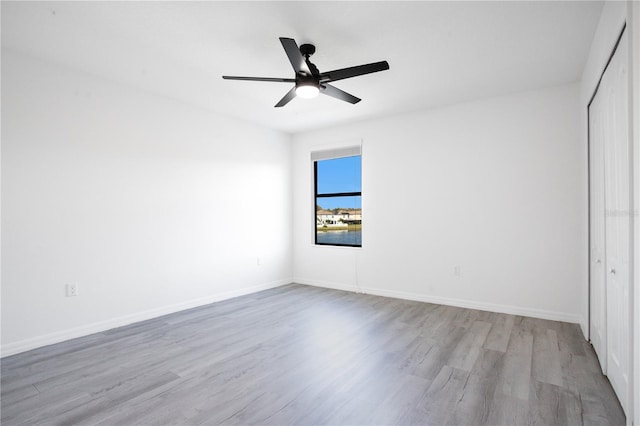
{"x": 307, "y": 80}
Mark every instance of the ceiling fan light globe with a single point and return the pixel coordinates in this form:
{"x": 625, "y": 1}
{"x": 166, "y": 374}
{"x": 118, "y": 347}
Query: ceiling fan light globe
{"x": 307, "y": 91}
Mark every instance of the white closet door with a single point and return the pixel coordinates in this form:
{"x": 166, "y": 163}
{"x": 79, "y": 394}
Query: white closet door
{"x": 610, "y": 222}
{"x": 617, "y": 219}
{"x": 598, "y": 319}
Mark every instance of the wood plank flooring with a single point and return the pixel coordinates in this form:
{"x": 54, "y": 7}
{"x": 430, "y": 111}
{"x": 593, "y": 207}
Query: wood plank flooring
{"x": 306, "y": 355}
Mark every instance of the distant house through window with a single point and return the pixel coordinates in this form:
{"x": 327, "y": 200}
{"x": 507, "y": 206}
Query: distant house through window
{"x": 338, "y": 197}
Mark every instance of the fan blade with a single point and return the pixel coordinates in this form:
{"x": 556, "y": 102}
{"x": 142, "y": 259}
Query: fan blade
{"x": 295, "y": 57}
{"x": 275, "y": 80}
{"x": 285, "y": 100}
{"x": 334, "y": 92}
{"x": 343, "y": 73}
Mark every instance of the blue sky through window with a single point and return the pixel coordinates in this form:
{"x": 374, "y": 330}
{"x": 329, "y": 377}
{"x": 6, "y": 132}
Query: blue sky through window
{"x": 340, "y": 175}
{"x": 340, "y": 202}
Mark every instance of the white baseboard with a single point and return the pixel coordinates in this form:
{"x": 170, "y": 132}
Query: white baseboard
{"x": 461, "y": 303}
{"x": 97, "y": 327}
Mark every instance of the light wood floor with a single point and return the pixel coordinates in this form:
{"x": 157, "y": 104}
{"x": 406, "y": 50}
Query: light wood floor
{"x": 305, "y": 355}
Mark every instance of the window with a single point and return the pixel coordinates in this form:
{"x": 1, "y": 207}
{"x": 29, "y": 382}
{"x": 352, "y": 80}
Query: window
{"x": 338, "y": 197}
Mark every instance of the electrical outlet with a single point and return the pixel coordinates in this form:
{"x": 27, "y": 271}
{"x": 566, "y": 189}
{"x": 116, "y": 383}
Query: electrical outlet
{"x": 259, "y": 261}
{"x": 457, "y": 271}
{"x": 72, "y": 290}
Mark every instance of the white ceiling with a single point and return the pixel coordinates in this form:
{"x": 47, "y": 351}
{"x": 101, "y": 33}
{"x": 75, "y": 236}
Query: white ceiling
{"x": 439, "y": 52}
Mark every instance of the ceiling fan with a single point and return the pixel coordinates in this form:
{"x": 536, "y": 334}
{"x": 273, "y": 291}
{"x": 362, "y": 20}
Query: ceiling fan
{"x": 308, "y": 80}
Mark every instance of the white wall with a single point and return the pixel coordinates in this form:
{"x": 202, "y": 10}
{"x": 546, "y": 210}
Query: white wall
{"x": 494, "y": 186}
{"x": 147, "y": 204}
